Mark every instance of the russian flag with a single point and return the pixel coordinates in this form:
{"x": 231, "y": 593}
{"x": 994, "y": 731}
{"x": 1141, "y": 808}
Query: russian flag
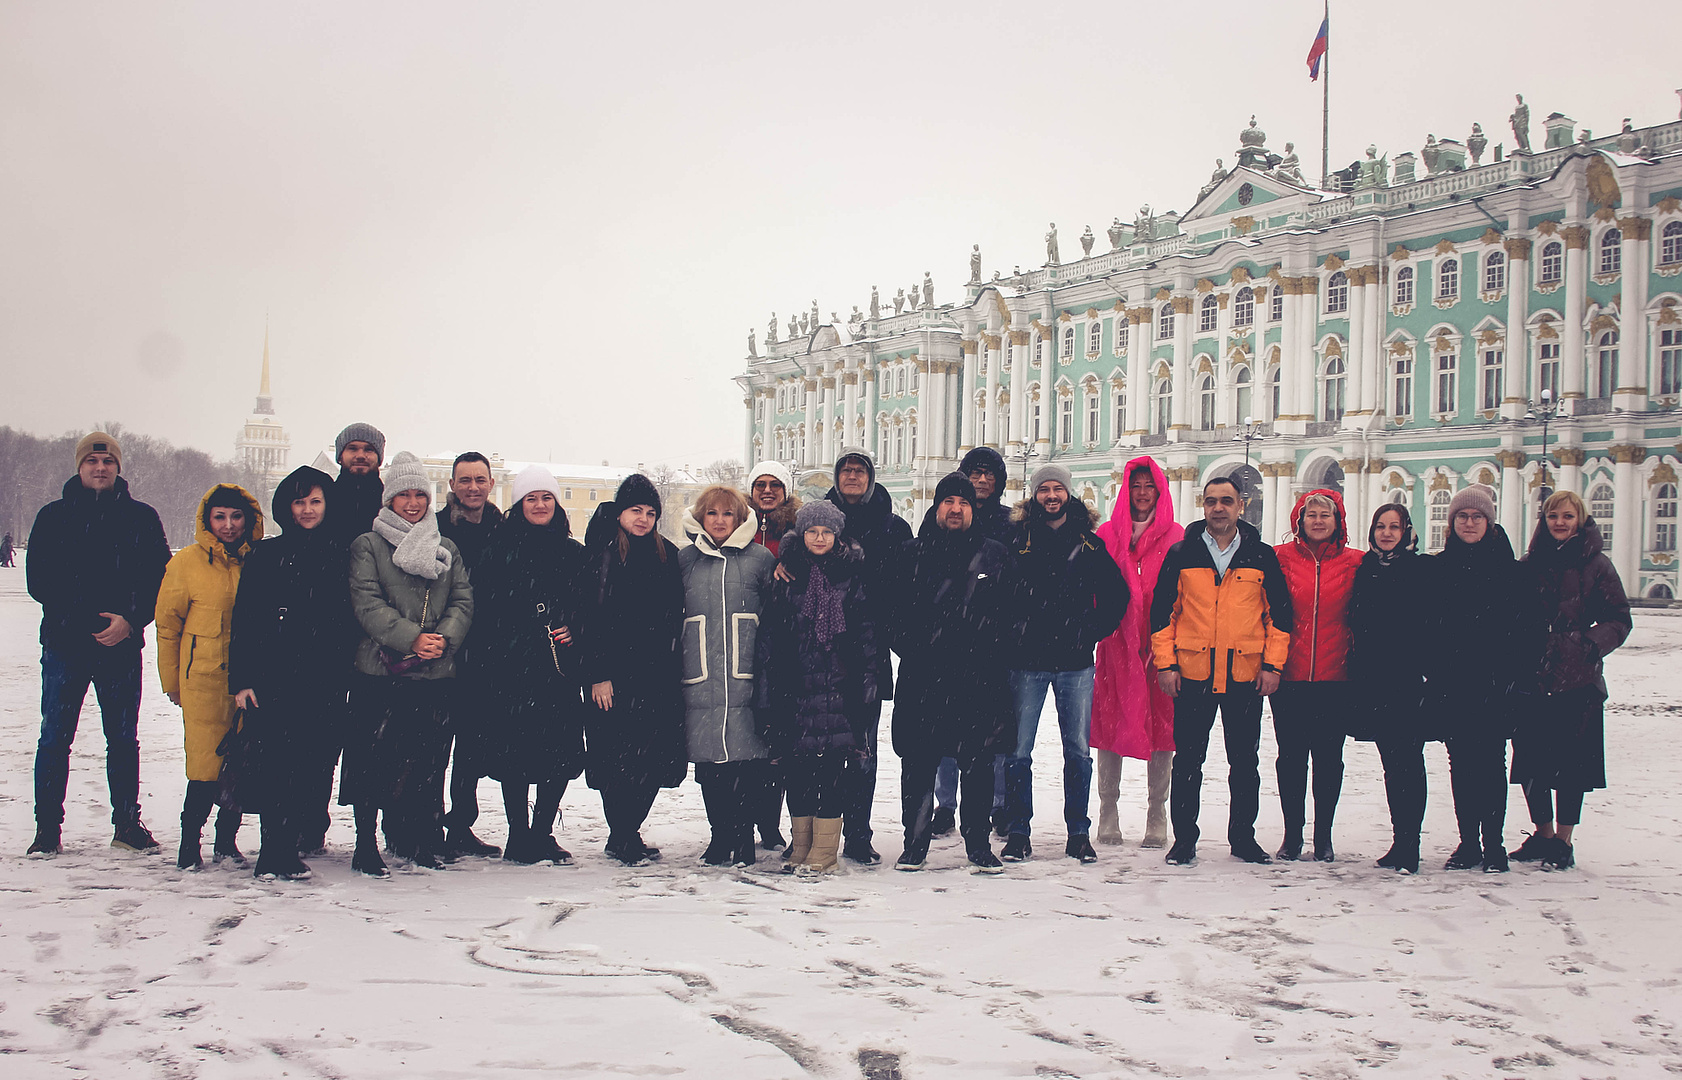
{"x": 1317, "y": 51}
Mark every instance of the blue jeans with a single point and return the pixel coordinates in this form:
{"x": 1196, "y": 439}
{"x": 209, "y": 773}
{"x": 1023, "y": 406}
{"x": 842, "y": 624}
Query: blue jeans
{"x": 946, "y": 783}
{"x": 1073, "y": 693}
{"x": 65, "y": 675}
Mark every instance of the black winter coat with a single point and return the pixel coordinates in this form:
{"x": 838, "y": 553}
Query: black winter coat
{"x": 358, "y": 500}
{"x": 529, "y": 723}
{"x": 811, "y": 696}
{"x": 469, "y": 538}
{"x": 1068, "y": 594}
{"x": 628, "y": 628}
{"x": 91, "y": 552}
{"x": 949, "y": 605}
{"x": 881, "y": 534}
{"x": 1389, "y": 610}
{"x": 1483, "y": 637}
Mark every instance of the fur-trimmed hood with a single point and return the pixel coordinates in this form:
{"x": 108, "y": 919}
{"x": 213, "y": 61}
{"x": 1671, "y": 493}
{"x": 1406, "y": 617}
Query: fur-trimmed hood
{"x": 693, "y": 533}
{"x": 458, "y": 513}
{"x": 1080, "y": 514}
{"x": 780, "y": 520}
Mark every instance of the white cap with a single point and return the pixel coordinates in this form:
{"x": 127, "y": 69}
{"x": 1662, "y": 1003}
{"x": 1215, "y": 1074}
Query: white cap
{"x": 776, "y": 470}
{"x": 535, "y": 478}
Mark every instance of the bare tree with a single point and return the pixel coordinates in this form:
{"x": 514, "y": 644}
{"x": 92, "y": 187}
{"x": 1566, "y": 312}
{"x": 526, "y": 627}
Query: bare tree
{"x": 726, "y": 471}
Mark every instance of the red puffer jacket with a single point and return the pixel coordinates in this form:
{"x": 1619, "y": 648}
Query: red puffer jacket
{"x": 1320, "y": 587}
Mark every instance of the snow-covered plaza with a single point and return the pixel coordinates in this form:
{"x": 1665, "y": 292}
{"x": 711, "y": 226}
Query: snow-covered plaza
{"x": 113, "y": 964}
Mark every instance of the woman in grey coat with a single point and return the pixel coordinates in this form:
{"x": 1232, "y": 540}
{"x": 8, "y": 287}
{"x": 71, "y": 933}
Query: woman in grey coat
{"x": 409, "y": 591}
{"x": 725, "y": 579}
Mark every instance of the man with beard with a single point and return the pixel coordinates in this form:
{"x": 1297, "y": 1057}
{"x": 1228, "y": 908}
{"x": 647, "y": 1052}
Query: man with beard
{"x": 1069, "y": 596}
{"x": 357, "y": 493}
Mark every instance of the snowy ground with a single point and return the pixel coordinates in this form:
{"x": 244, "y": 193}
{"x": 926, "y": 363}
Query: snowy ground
{"x": 113, "y": 964}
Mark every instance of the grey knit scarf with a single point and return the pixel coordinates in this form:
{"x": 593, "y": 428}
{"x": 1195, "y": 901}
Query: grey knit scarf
{"x": 822, "y": 607}
{"x": 416, "y": 549}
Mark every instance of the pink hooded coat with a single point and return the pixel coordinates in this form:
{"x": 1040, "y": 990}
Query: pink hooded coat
{"x": 1130, "y": 716}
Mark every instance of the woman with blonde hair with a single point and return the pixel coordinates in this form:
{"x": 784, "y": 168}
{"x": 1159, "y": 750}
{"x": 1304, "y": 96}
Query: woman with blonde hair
{"x": 726, "y": 578}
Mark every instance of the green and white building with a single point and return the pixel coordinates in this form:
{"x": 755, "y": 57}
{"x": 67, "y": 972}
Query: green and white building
{"x": 1392, "y": 339}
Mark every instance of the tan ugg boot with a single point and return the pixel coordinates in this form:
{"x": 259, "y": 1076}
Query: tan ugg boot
{"x": 1109, "y": 791}
{"x": 799, "y": 844}
{"x": 824, "y": 856}
{"x": 1158, "y": 774}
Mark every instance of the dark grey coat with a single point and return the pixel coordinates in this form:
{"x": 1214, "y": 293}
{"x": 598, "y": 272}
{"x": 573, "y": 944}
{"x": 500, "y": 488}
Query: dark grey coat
{"x": 724, "y": 590}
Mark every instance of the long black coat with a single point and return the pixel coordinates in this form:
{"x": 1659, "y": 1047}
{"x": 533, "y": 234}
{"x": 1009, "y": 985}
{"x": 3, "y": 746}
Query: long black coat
{"x": 881, "y": 534}
{"x": 1068, "y": 593}
{"x": 629, "y": 624}
{"x": 949, "y": 604}
{"x": 358, "y": 500}
{"x": 91, "y": 552}
{"x": 1561, "y": 741}
{"x": 529, "y": 725}
{"x": 1483, "y": 635}
{"x": 1389, "y": 611}
{"x": 292, "y": 640}
{"x": 811, "y": 696}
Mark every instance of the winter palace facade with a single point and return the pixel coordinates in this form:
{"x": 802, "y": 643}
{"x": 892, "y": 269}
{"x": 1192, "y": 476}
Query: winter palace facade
{"x": 1423, "y": 326}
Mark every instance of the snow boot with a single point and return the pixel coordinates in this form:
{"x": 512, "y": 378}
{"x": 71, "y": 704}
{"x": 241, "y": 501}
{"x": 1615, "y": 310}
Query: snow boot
{"x": 944, "y": 821}
{"x": 366, "y": 858}
{"x": 1159, "y": 776}
{"x": 1536, "y": 848}
{"x": 1109, "y": 821}
{"x": 226, "y": 846}
{"x": 1290, "y": 848}
{"x": 1468, "y": 855}
{"x": 826, "y": 844}
{"x": 744, "y": 852}
{"x": 1080, "y": 849}
{"x": 800, "y": 828}
{"x": 1563, "y": 857}
{"x": 1323, "y": 845}
{"x": 1018, "y": 848}
{"x": 195, "y": 811}
{"x": 48, "y": 841}
{"x": 983, "y": 861}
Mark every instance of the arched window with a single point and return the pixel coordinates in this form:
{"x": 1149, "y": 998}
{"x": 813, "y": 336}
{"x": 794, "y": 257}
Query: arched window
{"x": 1241, "y": 394}
{"x": 1552, "y": 265}
{"x": 1208, "y": 312}
{"x": 1068, "y": 341}
{"x": 1661, "y": 591}
{"x": 1670, "y": 244}
{"x": 1094, "y": 336}
{"x": 1437, "y": 534}
{"x": 1091, "y": 407}
{"x": 1600, "y": 508}
{"x": 1034, "y": 417}
{"x": 1274, "y": 394}
{"x": 1547, "y": 376}
{"x": 1165, "y": 322}
{"x": 1493, "y": 359}
{"x": 1276, "y": 306}
{"x": 1494, "y": 272}
{"x": 1039, "y": 349}
{"x": 1164, "y": 402}
{"x": 1118, "y": 406}
{"x": 1244, "y": 307}
{"x": 1337, "y": 293}
{"x": 1120, "y": 336}
{"x": 914, "y": 380}
{"x": 1664, "y": 518}
{"x": 1206, "y": 403}
{"x": 1402, "y": 385}
{"x": 900, "y": 380}
{"x": 981, "y": 419}
{"x": 1611, "y": 252}
{"x": 1448, "y": 279}
{"x": 1404, "y": 286}
{"x": 1606, "y": 364}
{"x": 1336, "y": 382}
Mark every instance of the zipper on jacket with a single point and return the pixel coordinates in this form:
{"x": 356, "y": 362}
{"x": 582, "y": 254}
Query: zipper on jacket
{"x": 1314, "y": 633}
{"x": 726, "y": 632}
{"x": 192, "y": 650}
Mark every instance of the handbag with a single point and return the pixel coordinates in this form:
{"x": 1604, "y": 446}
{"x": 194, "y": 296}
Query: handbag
{"x": 233, "y": 751}
{"x": 397, "y": 663}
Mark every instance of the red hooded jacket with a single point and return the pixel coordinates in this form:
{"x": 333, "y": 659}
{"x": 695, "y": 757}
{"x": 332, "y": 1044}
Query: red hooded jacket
{"x": 1320, "y": 587}
{"x": 1130, "y": 716}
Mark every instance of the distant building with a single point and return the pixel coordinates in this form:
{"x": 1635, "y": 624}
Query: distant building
{"x": 1393, "y": 338}
{"x": 263, "y": 446}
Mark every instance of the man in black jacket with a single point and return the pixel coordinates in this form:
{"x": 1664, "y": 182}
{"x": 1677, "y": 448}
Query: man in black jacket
{"x": 949, "y": 602}
{"x": 467, "y": 519}
{"x": 96, "y": 559}
{"x": 1069, "y": 596}
{"x": 881, "y": 533}
{"x": 358, "y": 493}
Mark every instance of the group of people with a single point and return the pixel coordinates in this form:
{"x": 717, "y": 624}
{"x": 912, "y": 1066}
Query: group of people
{"x": 377, "y": 631}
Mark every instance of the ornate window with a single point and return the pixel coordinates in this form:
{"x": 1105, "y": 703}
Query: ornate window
{"x": 1548, "y": 375}
{"x": 1241, "y": 393}
{"x": 914, "y": 379}
{"x": 1065, "y": 419}
{"x": 1600, "y": 508}
{"x": 1165, "y": 322}
{"x": 1039, "y": 349}
{"x": 1336, "y": 384}
{"x": 899, "y": 443}
{"x": 1552, "y": 265}
{"x": 1120, "y": 336}
{"x": 1404, "y": 286}
{"x": 1670, "y": 361}
{"x": 1448, "y": 279}
{"x": 1034, "y": 417}
{"x": 1448, "y": 383}
{"x": 1208, "y": 312}
{"x": 1164, "y": 402}
{"x": 1438, "y": 517}
{"x": 1118, "y": 405}
{"x": 1402, "y": 383}
{"x": 1670, "y": 244}
{"x": 981, "y": 419}
{"x": 1091, "y": 406}
{"x": 1494, "y": 272}
{"x": 1068, "y": 341}
{"x": 1276, "y": 306}
{"x": 1244, "y": 307}
{"x": 1094, "y": 336}
{"x": 1492, "y": 378}
{"x": 1274, "y": 392}
{"x": 1206, "y": 403}
{"x": 1664, "y": 518}
{"x": 1611, "y": 252}
{"x": 899, "y": 381}
{"x": 1606, "y": 364}
{"x": 1337, "y": 293}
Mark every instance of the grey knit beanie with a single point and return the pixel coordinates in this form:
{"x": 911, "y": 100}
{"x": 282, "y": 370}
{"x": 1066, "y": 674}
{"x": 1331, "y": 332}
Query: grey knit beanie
{"x": 405, "y": 473}
{"x": 820, "y": 512}
{"x": 359, "y": 432}
{"x": 1051, "y": 471}
{"x": 1479, "y": 497}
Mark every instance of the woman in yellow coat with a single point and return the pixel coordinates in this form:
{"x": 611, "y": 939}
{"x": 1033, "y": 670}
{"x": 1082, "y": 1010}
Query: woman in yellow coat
{"x": 195, "y": 606}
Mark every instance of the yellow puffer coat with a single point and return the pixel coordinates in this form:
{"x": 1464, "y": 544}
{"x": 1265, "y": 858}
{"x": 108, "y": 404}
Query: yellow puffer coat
{"x": 195, "y": 607}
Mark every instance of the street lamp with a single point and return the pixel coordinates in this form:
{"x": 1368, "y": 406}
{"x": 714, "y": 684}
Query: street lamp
{"x": 1252, "y": 431}
{"x": 1546, "y": 412}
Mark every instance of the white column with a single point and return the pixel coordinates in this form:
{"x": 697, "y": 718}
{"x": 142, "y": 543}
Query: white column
{"x": 1355, "y": 356}
{"x": 869, "y": 377}
{"x": 1138, "y": 375}
{"x": 850, "y": 406}
{"x": 994, "y": 361}
{"x": 966, "y": 404}
{"x": 1573, "y": 372}
{"x": 1515, "y": 370}
{"x": 928, "y": 408}
{"x": 1180, "y": 411}
{"x": 832, "y": 430}
{"x": 1049, "y": 404}
{"x": 951, "y": 405}
{"x": 1289, "y": 370}
{"x": 1372, "y": 393}
{"x": 1308, "y": 340}
{"x": 1512, "y": 498}
{"x": 1018, "y": 389}
{"x": 1270, "y": 501}
{"x": 810, "y": 456}
{"x": 1626, "y": 512}
{"x": 1633, "y": 368}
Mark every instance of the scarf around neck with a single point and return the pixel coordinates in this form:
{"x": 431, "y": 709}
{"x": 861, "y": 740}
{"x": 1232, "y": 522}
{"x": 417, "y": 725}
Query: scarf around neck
{"x": 822, "y": 603}
{"x": 415, "y": 548}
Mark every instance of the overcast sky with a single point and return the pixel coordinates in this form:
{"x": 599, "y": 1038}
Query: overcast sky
{"x": 545, "y": 229}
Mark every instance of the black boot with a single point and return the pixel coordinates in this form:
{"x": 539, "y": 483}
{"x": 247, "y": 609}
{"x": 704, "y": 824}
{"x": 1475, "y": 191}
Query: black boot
{"x": 278, "y": 857}
{"x": 1290, "y": 849}
{"x": 367, "y": 859}
{"x": 724, "y": 838}
{"x": 228, "y": 820}
{"x": 195, "y": 811}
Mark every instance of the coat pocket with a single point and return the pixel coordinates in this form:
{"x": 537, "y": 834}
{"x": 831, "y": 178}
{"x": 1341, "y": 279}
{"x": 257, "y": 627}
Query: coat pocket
{"x": 203, "y": 621}
{"x": 744, "y": 629}
{"x": 694, "y": 650}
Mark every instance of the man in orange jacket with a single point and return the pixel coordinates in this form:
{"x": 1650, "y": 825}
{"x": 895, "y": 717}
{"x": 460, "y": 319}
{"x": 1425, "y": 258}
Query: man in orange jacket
{"x": 1220, "y": 634}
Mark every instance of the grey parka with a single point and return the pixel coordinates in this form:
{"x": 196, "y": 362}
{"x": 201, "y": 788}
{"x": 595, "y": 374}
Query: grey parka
{"x": 723, "y": 590}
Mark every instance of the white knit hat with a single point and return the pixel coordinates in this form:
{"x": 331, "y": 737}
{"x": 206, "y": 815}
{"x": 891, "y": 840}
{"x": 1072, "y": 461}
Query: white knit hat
{"x": 405, "y": 473}
{"x": 777, "y": 471}
{"x": 535, "y": 478}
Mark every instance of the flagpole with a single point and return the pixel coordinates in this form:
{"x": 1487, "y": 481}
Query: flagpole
{"x": 1326, "y": 104}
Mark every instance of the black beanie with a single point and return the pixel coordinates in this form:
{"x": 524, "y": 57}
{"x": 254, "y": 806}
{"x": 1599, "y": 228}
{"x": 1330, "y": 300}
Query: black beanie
{"x": 229, "y": 496}
{"x": 637, "y": 490}
{"x": 954, "y": 483}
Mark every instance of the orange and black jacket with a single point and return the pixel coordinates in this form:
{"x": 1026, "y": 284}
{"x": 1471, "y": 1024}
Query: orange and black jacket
{"x": 1223, "y": 633}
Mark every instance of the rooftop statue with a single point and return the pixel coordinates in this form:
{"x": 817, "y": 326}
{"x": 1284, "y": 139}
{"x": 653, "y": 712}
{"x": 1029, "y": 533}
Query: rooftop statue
{"x": 1086, "y": 242}
{"x": 1144, "y": 226}
{"x": 1117, "y": 232}
{"x": 816, "y": 318}
{"x": 753, "y": 346}
{"x": 1628, "y": 141}
{"x": 1290, "y": 167}
{"x": 1375, "y": 170}
{"x": 771, "y": 331}
{"x": 899, "y": 301}
{"x": 975, "y": 265}
{"x": 1520, "y": 119}
{"x": 1051, "y": 258}
{"x": 1475, "y": 142}
{"x": 1430, "y": 154}
{"x": 1215, "y": 179}
{"x": 928, "y": 290}
{"x": 875, "y": 304}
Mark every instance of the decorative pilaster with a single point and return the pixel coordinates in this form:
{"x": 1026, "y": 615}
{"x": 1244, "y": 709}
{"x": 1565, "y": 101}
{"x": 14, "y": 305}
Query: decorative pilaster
{"x": 966, "y": 391}
{"x": 1626, "y": 511}
{"x": 1019, "y": 361}
{"x": 1180, "y": 409}
{"x": 1516, "y": 358}
{"x": 1632, "y": 329}
{"x": 991, "y": 436}
{"x": 1512, "y": 496}
{"x": 1573, "y": 370}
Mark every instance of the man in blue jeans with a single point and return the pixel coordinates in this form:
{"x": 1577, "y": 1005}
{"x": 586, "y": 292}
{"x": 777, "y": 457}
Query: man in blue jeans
{"x": 1069, "y": 596}
{"x": 96, "y": 558}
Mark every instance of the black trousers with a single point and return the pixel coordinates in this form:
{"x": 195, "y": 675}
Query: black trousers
{"x": 626, "y": 806}
{"x": 1404, "y": 785}
{"x": 861, "y": 782}
{"x": 734, "y": 793}
{"x": 1240, "y": 709}
{"x": 816, "y": 783}
{"x": 1477, "y": 770}
{"x": 464, "y": 789}
{"x": 1308, "y": 722}
{"x": 1540, "y": 800}
{"x": 976, "y": 781}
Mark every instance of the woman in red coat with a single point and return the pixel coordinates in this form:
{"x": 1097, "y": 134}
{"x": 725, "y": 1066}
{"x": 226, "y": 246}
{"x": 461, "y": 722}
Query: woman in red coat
{"x": 1308, "y": 710}
{"x": 1131, "y": 717}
